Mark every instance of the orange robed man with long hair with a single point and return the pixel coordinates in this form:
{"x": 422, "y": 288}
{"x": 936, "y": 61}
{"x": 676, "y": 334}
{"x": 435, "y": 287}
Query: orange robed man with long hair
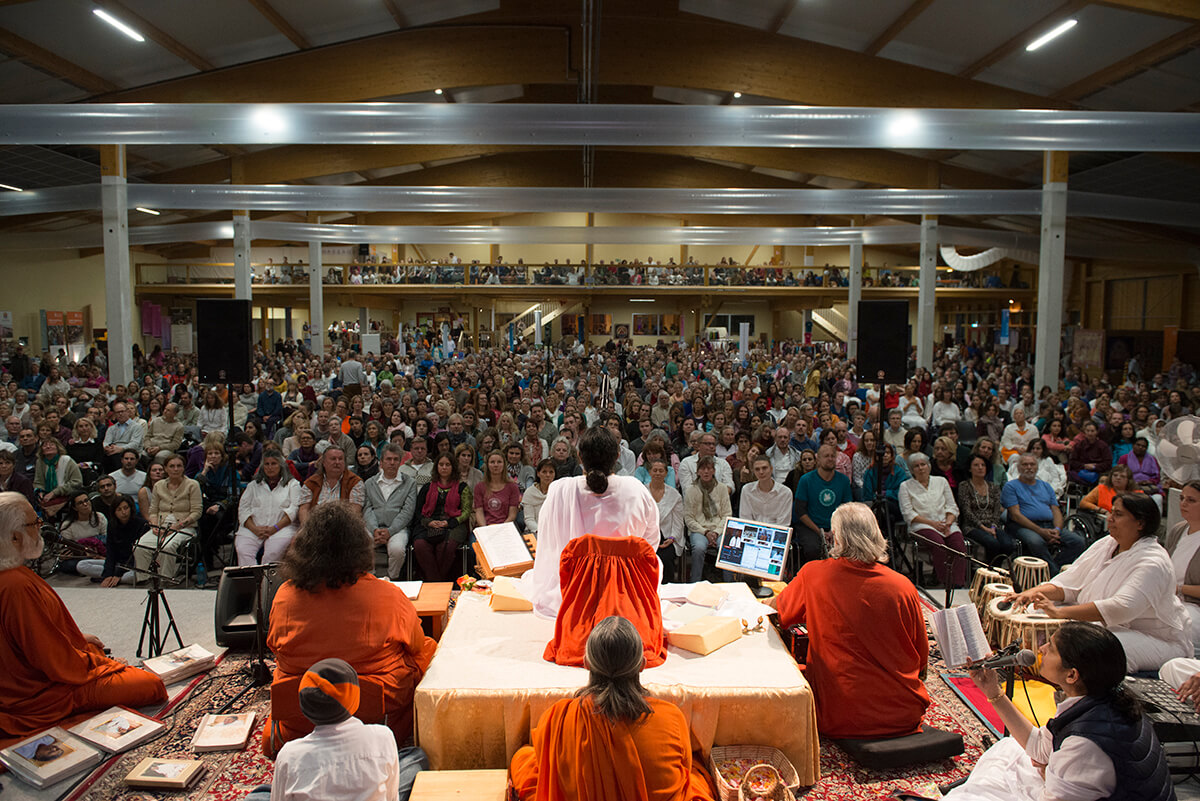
{"x": 611, "y": 742}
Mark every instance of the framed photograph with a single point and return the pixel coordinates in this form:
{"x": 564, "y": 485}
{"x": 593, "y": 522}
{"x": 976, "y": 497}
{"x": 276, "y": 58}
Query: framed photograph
{"x": 621, "y": 331}
{"x": 646, "y": 324}
{"x": 570, "y": 325}
{"x": 170, "y": 774}
{"x": 669, "y": 325}
{"x": 601, "y": 324}
{"x": 117, "y": 729}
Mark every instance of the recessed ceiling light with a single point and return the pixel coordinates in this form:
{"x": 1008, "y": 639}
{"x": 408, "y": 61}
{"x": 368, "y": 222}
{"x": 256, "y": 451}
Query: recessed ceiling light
{"x": 641, "y": 300}
{"x": 736, "y": 95}
{"x": 120, "y": 26}
{"x": 13, "y": 188}
{"x": 1052, "y": 34}
{"x": 145, "y": 210}
{"x": 437, "y": 91}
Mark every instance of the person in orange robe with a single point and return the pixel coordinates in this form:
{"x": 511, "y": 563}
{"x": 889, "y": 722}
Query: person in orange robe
{"x": 603, "y": 576}
{"x": 331, "y": 606}
{"x": 610, "y": 742}
{"x": 51, "y": 674}
{"x": 867, "y": 646}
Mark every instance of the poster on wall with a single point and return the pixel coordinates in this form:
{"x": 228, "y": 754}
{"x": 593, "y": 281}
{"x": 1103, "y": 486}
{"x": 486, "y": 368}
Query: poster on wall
{"x": 1088, "y": 348}
{"x": 621, "y": 331}
{"x": 6, "y": 325}
{"x": 75, "y": 344}
{"x": 56, "y": 329}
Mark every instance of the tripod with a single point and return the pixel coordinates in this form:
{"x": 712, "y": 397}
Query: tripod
{"x": 153, "y": 634}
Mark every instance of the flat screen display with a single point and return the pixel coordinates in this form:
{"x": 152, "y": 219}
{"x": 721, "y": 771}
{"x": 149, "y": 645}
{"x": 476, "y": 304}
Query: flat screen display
{"x": 754, "y": 549}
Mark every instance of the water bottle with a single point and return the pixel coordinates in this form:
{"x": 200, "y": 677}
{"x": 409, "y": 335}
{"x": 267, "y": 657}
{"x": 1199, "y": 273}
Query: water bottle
{"x": 201, "y": 575}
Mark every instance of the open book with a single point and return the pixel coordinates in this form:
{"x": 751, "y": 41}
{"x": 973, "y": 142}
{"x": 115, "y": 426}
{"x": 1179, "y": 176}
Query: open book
{"x": 960, "y": 635}
{"x": 504, "y": 551}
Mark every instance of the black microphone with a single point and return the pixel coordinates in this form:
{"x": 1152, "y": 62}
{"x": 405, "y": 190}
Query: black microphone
{"x": 1022, "y": 658}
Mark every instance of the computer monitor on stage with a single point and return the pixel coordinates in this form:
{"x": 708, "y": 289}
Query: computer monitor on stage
{"x": 754, "y": 549}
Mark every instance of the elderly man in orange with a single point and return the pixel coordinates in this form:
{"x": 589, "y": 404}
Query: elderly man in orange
{"x": 611, "y": 742}
{"x": 50, "y": 673}
{"x": 332, "y": 605}
{"x": 868, "y": 650}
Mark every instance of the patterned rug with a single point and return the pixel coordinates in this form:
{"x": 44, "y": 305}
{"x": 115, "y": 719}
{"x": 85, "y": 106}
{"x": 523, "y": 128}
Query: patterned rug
{"x": 228, "y": 776}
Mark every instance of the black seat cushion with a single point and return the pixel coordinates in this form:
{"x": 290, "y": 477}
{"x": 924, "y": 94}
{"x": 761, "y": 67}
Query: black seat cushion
{"x": 930, "y": 745}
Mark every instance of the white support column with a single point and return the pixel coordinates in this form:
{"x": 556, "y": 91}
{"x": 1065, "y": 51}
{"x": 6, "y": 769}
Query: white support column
{"x": 118, "y": 285}
{"x": 316, "y": 299}
{"x": 364, "y": 320}
{"x": 1051, "y": 270}
{"x": 926, "y": 306}
{"x": 856, "y": 276}
{"x": 241, "y": 256}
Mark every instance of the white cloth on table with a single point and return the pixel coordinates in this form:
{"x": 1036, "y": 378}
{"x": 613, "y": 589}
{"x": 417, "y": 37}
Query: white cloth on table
{"x": 625, "y": 509}
{"x": 349, "y": 760}
{"x": 1134, "y": 592}
{"x": 1079, "y": 769}
{"x": 266, "y": 506}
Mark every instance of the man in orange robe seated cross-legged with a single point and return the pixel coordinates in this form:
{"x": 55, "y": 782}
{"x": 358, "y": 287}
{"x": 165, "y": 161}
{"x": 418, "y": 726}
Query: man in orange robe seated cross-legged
{"x": 610, "y": 742}
{"x": 51, "y": 674}
{"x": 331, "y": 605}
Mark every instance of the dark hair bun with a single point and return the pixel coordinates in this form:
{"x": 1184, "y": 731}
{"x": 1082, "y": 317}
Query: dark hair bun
{"x": 597, "y": 481}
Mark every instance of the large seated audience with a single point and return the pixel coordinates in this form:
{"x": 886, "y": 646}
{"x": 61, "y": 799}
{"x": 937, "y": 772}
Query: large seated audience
{"x": 406, "y": 452}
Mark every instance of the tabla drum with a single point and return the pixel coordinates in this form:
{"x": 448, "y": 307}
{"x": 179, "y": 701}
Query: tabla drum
{"x": 984, "y": 575}
{"x": 994, "y": 621}
{"x": 1031, "y": 629}
{"x": 1029, "y": 571}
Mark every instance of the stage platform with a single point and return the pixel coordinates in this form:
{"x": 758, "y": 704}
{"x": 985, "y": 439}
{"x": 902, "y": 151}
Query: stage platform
{"x": 488, "y": 685}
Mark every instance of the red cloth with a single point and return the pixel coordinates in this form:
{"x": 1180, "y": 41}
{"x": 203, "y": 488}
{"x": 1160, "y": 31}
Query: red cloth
{"x": 867, "y": 647}
{"x": 49, "y": 672}
{"x": 371, "y": 624}
{"x": 603, "y": 576}
{"x": 580, "y": 755}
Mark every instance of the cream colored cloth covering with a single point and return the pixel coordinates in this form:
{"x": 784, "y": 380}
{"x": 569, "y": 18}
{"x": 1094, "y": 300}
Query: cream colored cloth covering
{"x": 488, "y": 686}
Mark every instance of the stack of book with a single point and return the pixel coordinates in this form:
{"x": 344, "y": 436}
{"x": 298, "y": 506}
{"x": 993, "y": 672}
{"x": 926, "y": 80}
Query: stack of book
{"x": 181, "y": 664}
{"x": 49, "y": 757}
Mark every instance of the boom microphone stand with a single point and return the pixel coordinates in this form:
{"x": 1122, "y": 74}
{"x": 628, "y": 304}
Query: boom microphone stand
{"x": 879, "y": 503}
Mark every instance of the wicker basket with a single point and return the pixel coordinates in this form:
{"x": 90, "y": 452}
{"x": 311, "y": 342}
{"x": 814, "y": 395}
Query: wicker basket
{"x": 756, "y": 753}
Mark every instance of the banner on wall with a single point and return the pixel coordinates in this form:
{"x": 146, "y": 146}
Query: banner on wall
{"x": 56, "y": 330}
{"x": 75, "y": 343}
{"x": 1004, "y": 326}
{"x": 743, "y": 340}
{"x": 6, "y": 325}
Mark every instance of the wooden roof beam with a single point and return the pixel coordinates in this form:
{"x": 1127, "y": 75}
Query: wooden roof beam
{"x": 1023, "y": 38}
{"x": 1178, "y": 9}
{"x": 899, "y": 24}
{"x": 53, "y": 64}
{"x": 281, "y": 24}
{"x": 156, "y": 34}
{"x": 1131, "y": 65}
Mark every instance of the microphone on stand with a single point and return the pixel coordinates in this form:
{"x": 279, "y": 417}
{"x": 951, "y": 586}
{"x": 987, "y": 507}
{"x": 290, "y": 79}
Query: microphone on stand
{"x": 1006, "y": 658}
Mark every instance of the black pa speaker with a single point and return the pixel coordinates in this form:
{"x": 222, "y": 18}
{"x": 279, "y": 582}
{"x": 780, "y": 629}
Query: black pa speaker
{"x": 883, "y": 341}
{"x": 223, "y": 342}
{"x": 236, "y": 613}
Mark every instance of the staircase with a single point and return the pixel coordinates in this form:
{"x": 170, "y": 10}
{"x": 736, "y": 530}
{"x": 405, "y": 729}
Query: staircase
{"x": 834, "y": 320}
{"x": 549, "y": 310}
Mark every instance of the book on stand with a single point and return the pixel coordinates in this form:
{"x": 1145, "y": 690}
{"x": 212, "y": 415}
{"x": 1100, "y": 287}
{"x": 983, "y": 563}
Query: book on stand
{"x": 502, "y": 550}
{"x": 117, "y": 729}
{"x": 49, "y": 757}
{"x": 960, "y": 636}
